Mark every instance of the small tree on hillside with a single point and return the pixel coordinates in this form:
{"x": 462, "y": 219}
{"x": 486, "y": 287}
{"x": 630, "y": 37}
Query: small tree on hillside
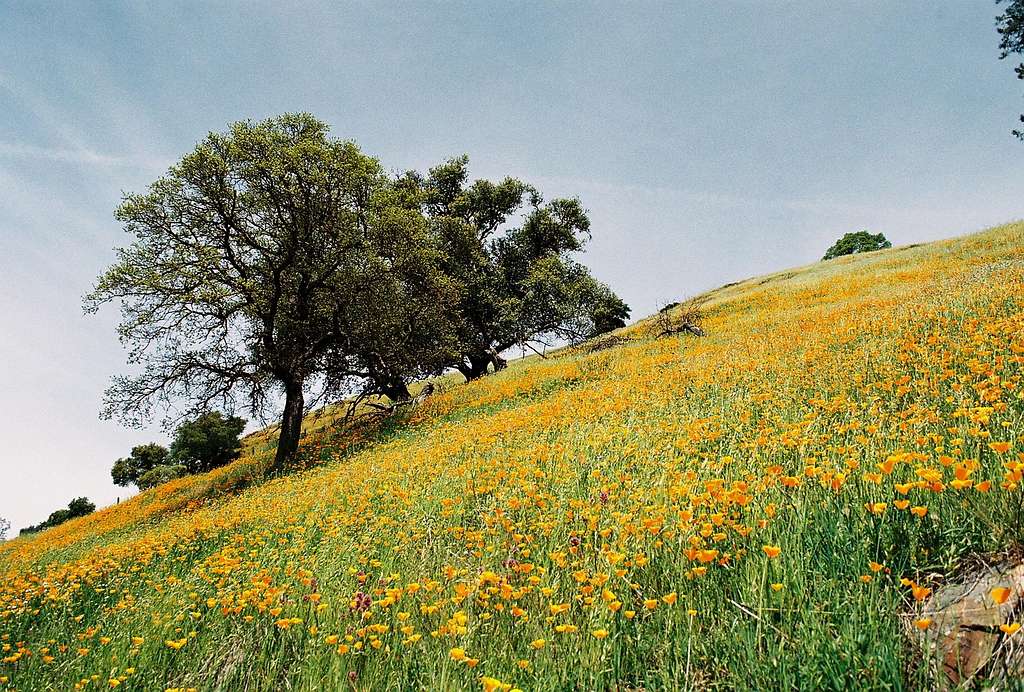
{"x": 161, "y": 474}
{"x": 143, "y": 458}
{"x": 81, "y": 506}
{"x": 852, "y": 243}
{"x": 78, "y": 507}
{"x": 5, "y": 526}
{"x": 209, "y": 441}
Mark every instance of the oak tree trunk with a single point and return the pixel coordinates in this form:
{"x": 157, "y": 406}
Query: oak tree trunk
{"x": 476, "y": 367}
{"x": 396, "y": 391}
{"x": 291, "y": 424}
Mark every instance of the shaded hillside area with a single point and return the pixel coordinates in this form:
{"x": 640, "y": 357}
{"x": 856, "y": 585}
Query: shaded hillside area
{"x": 735, "y": 510}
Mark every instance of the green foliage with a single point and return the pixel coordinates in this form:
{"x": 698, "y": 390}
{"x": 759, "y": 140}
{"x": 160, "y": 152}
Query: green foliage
{"x": 161, "y": 474}
{"x": 562, "y": 300}
{"x": 202, "y": 444}
{"x": 143, "y": 458}
{"x": 209, "y": 441}
{"x": 1010, "y": 25}
{"x": 607, "y": 311}
{"x": 78, "y": 507}
{"x": 519, "y": 282}
{"x": 852, "y": 243}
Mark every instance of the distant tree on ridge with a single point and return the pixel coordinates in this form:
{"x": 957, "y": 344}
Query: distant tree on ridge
{"x": 853, "y": 243}
{"x": 79, "y": 507}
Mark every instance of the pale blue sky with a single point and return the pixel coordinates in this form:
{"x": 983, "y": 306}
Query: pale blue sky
{"x": 710, "y": 141}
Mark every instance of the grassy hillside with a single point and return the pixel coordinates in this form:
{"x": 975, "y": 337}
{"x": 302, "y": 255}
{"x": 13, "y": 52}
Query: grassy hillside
{"x": 732, "y": 511}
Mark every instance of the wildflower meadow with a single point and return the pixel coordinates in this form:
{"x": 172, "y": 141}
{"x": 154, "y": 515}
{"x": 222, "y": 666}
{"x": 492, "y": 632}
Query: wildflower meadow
{"x": 770, "y": 505}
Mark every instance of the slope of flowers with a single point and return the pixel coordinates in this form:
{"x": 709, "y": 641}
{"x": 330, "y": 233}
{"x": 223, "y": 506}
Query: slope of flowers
{"x": 764, "y": 507}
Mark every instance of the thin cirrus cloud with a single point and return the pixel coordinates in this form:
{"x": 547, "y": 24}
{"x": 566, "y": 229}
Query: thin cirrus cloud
{"x": 83, "y": 156}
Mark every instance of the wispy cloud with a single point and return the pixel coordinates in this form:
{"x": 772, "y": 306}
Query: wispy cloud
{"x": 61, "y": 131}
{"x": 82, "y": 156}
{"x": 707, "y": 197}
{"x": 929, "y": 209}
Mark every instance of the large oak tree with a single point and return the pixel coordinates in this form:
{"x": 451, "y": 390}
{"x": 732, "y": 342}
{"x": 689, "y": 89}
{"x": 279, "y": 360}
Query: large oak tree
{"x": 270, "y": 259}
